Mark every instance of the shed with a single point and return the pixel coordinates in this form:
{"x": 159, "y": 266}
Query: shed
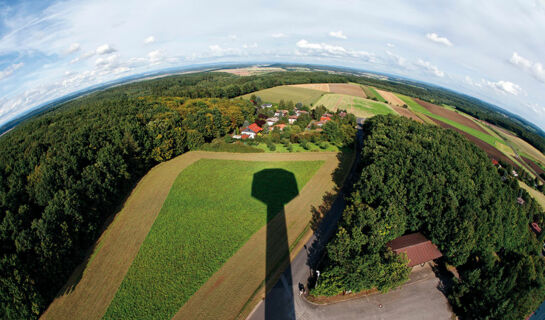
{"x": 417, "y": 247}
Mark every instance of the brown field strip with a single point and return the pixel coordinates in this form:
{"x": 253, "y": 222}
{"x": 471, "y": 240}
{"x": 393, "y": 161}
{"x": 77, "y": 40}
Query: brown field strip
{"x": 407, "y": 113}
{"x": 491, "y": 151}
{"x": 234, "y": 289}
{"x": 533, "y": 165}
{"x": 91, "y": 288}
{"x": 348, "y": 89}
{"x": 391, "y": 98}
{"x": 451, "y": 115}
{"x": 314, "y": 86}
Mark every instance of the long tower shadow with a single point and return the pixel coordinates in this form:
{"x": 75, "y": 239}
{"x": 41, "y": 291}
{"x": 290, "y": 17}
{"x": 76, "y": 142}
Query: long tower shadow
{"x": 275, "y": 188}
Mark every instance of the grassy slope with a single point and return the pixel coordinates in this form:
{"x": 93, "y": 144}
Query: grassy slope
{"x": 358, "y": 106}
{"x": 286, "y": 93}
{"x": 207, "y": 216}
{"x": 374, "y": 93}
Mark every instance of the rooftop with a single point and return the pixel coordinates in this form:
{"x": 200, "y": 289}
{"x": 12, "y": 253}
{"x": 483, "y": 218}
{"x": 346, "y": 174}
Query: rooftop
{"x": 418, "y": 249}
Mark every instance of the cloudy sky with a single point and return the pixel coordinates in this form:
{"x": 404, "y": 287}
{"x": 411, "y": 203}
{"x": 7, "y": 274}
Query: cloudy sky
{"x": 494, "y": 50}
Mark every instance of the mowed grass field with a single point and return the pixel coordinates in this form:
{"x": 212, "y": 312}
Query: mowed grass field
{"x": 371, "y": 93}
{"x": 296, "y": 94}
{"x": 207, "y": 216}
{"x": 358, "y": 106}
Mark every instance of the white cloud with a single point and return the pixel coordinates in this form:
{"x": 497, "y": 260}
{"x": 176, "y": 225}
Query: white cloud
{"x": 426, "y": 65}
{"x": 10, "y": 70}
{"x": 218, "y": 51}
{"x": 73, "y": 48}
{"x": 104, "y": 49}
{"x": 505, "y": 87}
{"x": 399, "y": 60}
{"x": 150, "y": 39}
{"x": 534, "y": 68}
{"x": 328, "y": 50}
{"x": 155, "y": 56}
{"x": 389, "y": 45}
{"x": 337, "y": 34}
{"x": 251, "y": 45}
{"x": 502, "y": 86}
{"x": 232, "y": 37}
{"x": 278, "y": 35}
{"x": 436, "y": 38}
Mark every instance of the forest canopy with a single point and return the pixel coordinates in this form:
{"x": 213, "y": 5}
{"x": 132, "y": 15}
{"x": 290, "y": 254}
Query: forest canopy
{"x": 423, "y": 178}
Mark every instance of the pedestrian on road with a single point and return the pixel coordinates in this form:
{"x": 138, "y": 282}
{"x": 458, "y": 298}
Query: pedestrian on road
{"x": 301, "y": 288}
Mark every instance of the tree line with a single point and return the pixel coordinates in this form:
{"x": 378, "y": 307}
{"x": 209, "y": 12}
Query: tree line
{"x": 418, "y": 177}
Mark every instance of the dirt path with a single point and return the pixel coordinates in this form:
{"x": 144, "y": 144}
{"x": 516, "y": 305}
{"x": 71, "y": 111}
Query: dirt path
{"x": 91, "y": 288}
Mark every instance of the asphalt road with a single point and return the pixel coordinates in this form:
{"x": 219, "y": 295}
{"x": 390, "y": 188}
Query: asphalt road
{"x": 420, "y": 298}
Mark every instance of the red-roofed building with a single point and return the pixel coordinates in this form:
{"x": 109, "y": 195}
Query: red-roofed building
{"x": 495, "y": 162}
{"x": 251, "y": 131}
{"x": 325, "y": 119}
{"x": 279, "y": 126}
{"x": 419, "y": 250}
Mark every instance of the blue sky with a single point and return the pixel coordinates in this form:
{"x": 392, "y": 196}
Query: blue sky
{"x": 494, "y": 50}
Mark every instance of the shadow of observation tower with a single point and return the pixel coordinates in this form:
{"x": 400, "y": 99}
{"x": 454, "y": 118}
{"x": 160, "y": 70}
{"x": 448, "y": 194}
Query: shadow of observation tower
{"x": 275, "y": 188}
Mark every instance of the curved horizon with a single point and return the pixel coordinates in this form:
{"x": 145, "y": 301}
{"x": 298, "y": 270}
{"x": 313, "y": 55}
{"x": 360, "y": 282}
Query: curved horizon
{"x": 52, "y": 49}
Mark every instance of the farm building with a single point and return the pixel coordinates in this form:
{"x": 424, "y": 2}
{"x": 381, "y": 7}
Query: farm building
{"x": 325, "y": 119}
{"x": 251, "y": 131}
{"x": 292, "y": 119}
{"x": 419, "y": 250}
{"x": 272, "y": 121}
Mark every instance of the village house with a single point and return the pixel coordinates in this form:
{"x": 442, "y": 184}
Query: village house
{"x": 271, "y": 121}
{"x": 281, "y": 113}
{"x": 300, "y": 112}
{"x": 325, "y": 118}
{"x": 266, "y": 105}
{"x": 251, "y": 131}
{"x": 279, "y": 126}
{"x": 292, "y": 119}
{"x": 342, "y": 114}
{"x": 418, "y": 249}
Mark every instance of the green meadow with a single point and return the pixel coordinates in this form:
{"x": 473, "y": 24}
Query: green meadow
{"x": 207, "y": 216}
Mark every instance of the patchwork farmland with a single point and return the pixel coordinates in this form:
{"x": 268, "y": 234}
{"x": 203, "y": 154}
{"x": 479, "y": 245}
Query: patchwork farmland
{"x": 358, "y": 106}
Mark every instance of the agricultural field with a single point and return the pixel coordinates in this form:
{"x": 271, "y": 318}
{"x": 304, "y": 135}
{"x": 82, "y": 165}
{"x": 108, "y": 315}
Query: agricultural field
{"x": 371, "y": 93}
{"x": 286, "y": 93}
{"x": 200, "y": 226}
{"x": 405, "y": 112}
{"x": 144, "y": 232}
{"x": 538, "y": 196}
{"x": 391, "y": 98}
{"x": 358, "y": 106}
{"x": 341, "y": 88}
{"x": 251, "y": 71}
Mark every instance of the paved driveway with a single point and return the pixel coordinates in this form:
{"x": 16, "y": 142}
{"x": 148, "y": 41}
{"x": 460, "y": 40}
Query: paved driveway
{"x": 419, "y": 299}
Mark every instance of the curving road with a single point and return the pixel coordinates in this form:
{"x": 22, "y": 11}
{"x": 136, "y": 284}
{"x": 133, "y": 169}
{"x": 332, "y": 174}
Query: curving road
{"x": 420, "y": 298}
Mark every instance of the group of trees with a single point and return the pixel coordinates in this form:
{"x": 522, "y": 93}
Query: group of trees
{"x": 63, "y": 173}
{"x": 418, "y": 177}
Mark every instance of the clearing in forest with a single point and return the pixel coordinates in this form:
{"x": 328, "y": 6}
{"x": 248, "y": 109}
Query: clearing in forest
{"x": 350, "y": 89}
{"x": 93, "y": 286}
{"x": 287, "y": 93}
{"x": 358, "y": 106}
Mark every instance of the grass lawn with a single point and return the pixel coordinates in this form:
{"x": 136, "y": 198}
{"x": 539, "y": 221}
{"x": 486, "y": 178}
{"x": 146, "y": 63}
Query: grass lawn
{"x": 358, "y": 106}
{"x": 287, "y": 93}
{"x": 207, "y": 216}
{"x": 297, "y": 148}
